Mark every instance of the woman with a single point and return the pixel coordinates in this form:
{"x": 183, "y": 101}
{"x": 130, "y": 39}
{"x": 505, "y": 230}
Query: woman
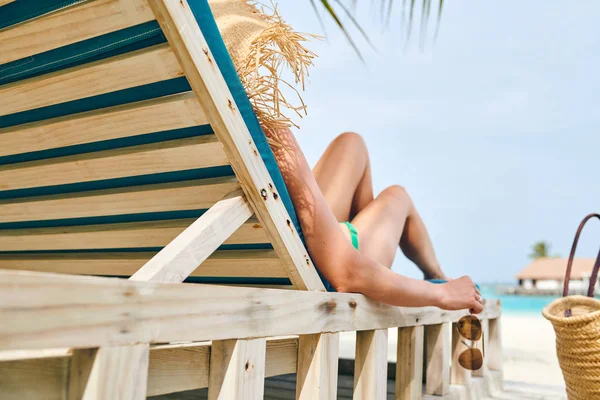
{"x": 339, "y": 190}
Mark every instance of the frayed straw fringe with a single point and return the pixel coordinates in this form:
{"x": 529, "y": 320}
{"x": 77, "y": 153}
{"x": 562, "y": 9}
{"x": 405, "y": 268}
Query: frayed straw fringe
{"x": 276, "y": 49}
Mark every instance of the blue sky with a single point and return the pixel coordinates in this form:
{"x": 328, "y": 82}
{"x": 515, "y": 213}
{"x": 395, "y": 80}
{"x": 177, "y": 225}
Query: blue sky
{"x": 494, "y": 130}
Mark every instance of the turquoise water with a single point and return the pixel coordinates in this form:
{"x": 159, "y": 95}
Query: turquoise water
{"x": 521, "y": 305}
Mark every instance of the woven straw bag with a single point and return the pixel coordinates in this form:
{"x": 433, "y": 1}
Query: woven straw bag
{"x": 576, "y": 321}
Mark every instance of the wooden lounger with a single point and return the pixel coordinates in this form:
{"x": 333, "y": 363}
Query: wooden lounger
{"x": 128, "y": 148}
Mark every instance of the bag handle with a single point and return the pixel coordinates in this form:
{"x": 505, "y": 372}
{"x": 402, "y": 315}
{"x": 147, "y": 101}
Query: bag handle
{"x": 594, "y": 277}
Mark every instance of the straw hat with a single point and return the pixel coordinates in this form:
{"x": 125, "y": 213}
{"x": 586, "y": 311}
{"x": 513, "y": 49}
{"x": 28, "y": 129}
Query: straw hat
{"x": 263, "y": 47}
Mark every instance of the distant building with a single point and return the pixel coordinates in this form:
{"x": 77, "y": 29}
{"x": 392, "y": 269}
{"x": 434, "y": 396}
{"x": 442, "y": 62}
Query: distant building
{"x": 548, "y": 274}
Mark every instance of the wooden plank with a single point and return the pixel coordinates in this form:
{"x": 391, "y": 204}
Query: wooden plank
{"x": 140, "y": 118}
{"x": 118, "y": 373}
{"x": 172, "y": 368}
{"x": 458, "y": 374}
{"x": 44, "y": 378}
{"x": 197, "y": 242}
{"x": 141, "y": 67}
{"x": 225, "y": 263}
{"x": 82, "y": 362}
{"x": 73, "y": 24}
{"x": 437, "y": 358}
{"x": 169, "y": 156}
{"x": 81, "y": 311}
{"x": 237, "y": 369}
{"x": 370, "y": 366}
{"x": 188, "y": 43}
{"x": 5, "y": 2}
{"x": 317, "y": 366}
{"x": 409, "y": 363}
{"x": 196, "y": 194}
{"x": 115, "y": 236}
{"x": 483, "y": 371}
{"x": 494, "y": 344}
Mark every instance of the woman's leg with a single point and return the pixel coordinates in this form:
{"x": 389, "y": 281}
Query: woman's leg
{"x": 392, "y": 219}
{"x": 343, "y": 174}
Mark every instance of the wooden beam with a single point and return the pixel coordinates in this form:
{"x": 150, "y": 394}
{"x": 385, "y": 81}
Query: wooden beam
{"x": 317, "y": 366}
{"x": 409, "y": 363}
{"x": 437, "y": 356}
{"x": 458, "y": 374}
{"x": 140, "y": 118}
{"x": 82, "y": 311}
{"x": 223, "y": 263}
{"x": 189, "y": 249}
{"x": 494, "y": 344}
{"x": 115, "y": 236}
{"x": 192, "y": 51}
{"x": 370, "y": 366}
{"x": 140, "y": 67}
{"x": 169, "y": 156}
{"x": 172, "y": 368}
{"x": 84, "y": 21}
{"x": 237, "y": 370}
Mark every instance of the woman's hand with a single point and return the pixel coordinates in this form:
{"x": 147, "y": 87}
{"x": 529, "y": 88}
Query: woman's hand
{"x": 459, "y": 294}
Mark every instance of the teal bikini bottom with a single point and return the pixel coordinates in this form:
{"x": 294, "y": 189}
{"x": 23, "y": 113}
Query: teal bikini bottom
{"x": 353, "y": 234}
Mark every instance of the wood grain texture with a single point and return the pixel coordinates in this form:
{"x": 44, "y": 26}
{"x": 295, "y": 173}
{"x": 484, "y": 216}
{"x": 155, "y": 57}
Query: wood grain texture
{"x": 115, "y": 236}
{"x": 140, "y": 118}
{"x": 84, "y": 21}
{"x": 409, "y": 364}
{"x": 370, "y": 366}
{"x": 137, "y": 68}
{"x": 175, "y": 262}
{"x": 153, "y": 312}
{"x": 317, "y": 366}
{"x": 189, "y": 45}
{"x": 237, "y": 370}
{"x": 170, "y": 156}
{"x": 437, "y": 356}
{"x": 196, "y": 194}
{"x": 82, "y": 362}
{"x": 225, "y": 263}
{"x": 49, "y": 374}
{"x": 458, "y": 374}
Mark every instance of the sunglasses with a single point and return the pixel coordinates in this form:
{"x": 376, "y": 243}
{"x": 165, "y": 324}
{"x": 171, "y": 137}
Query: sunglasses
{"x": 469, "y": 328}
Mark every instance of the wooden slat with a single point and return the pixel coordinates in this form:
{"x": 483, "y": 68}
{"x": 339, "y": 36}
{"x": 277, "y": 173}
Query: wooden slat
{"x": 172, "y": 368}
{"x": 114, "y": 236}
{"x": 225, "y": 263}
{"x": 177, "y": 196}
{"x": 317, "y": 366}
{"x": 82, "y": 362}
{"x": 237, "y": 370}
{"x": 170, "y": 156}
{"x": 437, "y": 359}
{"x": 196, "y": 243}
{"x": 5, "y": 2}
{"x": 458, "y": 374}
{"x": 494, "y": 345}
{"x": 154, "y": 64}
{"x": 370, "y": 366}
{"x": 409, "y": 363}
{"x": 485, "y": 338}
{"x": 154, "y": 312}
{"x": 149, "y": 116}
{"x": 182, "y": 31}
{"x": 74, "y": 24}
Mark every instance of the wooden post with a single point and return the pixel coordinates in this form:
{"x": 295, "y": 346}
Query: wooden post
{"x": 409, "y": 363}
{"x": 494, "y": 345}
{"x": 370, "y": 366}
{"x": 482, "y": 345}
{"x": 317, "y": 366}
{"x": 82, "y": 361}
{"x": 458, "y": 374}
{"x": 237, "y": 369}
{"x": 437, "y": 345}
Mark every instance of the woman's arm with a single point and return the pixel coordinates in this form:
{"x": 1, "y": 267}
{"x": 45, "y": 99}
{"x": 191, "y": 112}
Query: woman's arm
{"x": 345, "y": 268}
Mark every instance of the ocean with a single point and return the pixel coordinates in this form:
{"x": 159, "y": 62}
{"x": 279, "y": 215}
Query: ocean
{"x": 518, "y": 305}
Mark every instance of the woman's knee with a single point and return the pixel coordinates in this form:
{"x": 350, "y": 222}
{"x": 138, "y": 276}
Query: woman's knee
{"x": 351, "y": 141}
{"x": 397, "y": 193}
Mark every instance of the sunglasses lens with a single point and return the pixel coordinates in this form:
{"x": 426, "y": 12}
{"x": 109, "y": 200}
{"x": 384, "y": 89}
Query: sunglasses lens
{"x": 469, "y": 327}
{"x": 471, "y": 359}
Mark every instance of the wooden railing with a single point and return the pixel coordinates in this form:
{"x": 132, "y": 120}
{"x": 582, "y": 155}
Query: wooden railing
{"x": 234, "y": 338}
